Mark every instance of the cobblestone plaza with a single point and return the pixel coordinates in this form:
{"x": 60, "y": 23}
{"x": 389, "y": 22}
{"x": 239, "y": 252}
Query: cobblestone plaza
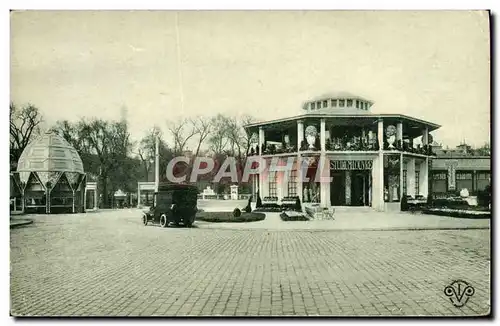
{"x": 108, "y": 264}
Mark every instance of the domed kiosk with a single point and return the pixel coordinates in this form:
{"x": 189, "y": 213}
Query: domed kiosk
{"x": 50, "y": 176}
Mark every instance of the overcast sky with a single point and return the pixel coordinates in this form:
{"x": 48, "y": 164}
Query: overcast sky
{"x": 430, "y": 65}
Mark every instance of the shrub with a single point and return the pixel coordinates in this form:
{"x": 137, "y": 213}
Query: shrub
{"x": 298, "y": 206}
{"x": 236, "y": 212}
{"x": 248, "y": 207}
{"x": 259, "y": 202}
{"x": 227, "y": 217}
{"x": 404, "y": 203}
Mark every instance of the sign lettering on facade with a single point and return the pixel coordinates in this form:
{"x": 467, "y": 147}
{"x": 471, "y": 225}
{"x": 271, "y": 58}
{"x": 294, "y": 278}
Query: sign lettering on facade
{"x": 351, "y": 165}
{"x": 452, "y": 167}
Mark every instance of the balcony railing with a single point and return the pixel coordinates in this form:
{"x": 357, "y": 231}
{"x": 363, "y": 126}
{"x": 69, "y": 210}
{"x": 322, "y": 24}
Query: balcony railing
{"x": 344, "y": 145}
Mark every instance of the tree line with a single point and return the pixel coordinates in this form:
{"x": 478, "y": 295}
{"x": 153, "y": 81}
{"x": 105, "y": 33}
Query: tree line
{"x": 116, "y": 161}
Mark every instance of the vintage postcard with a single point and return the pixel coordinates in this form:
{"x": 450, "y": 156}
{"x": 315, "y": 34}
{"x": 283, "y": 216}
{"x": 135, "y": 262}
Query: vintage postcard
{"x": 250, "y": 163}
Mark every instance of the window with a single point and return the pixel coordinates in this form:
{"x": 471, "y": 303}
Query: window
{"x": 318, "y": 105}
{"x": 482, "y": 179}
{"x": 404, "y": 182}
{"x": 464, "y": 180}
{"x": 357, "y": 104}
{"x": 272, "y": 184}
{"x": 439, "y": 181}
{"x": 292, "y": 183}
{"x": 325, "y": 104}
{"x": 417, "y": 182}
{"x": 366, "y": 106}
{"x": 349, "y": 103}
{"x": 313, "y": 106}
{"x": 334, "y": 103}
{"x": 341, "y": 103}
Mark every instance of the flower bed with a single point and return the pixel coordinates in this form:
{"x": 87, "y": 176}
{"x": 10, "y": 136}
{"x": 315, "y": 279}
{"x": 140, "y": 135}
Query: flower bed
{"x": 462, "y": 213}
{"x": 269, "y": 209}
{"x": 219, "y": 217}
{"x": 293, "y": 216}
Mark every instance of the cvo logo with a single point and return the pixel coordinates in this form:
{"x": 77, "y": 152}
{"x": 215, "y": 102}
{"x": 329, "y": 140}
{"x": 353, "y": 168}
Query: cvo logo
{"x": 459, "y": 292}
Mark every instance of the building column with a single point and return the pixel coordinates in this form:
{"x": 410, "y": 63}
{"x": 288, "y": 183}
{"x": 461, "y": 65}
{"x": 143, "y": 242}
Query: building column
{"x": 399, "y": 132}
{"x": 73, "y": 202}
{"x": 323, "y": 167}
{"x": 324, "y": 180}
{"x": 85, "y": 199}
{"x": 298, "y": 166}
{"x": 423, "y": 178}
{"x": 261, "y": 173}
{"x": 378, "y": 202}
{"x": 425, "y": 136}
{"x": 401, "y": 177}
{"x": 47, "y": 201}
{"x": 96, "y": 197}
{"x": 410, "y": 178}
{"x": 23, "y": 200}
{"x": 300, "y": 133}
{"x": 348, "y": 187}
{"x": 280, "y": 180}
{"x": 380, "y": 134}
{"x": 323, "y": 135}
{"x": 138, "y": 196}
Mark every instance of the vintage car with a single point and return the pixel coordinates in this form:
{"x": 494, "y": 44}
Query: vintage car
{"x": 173, "y": 204}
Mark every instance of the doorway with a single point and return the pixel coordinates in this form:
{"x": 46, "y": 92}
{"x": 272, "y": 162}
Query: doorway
{"x": 360, "y": 188}
{"x": 337, "y": 188}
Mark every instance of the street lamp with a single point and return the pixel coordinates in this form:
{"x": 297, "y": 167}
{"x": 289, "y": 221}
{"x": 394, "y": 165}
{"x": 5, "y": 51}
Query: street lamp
{"x": 151, "y": 162}
{"x": 157, "y": 163}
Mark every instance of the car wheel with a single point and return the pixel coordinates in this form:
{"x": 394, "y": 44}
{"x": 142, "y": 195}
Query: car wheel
{"x": 144, "y": 220}
{"x": 163, "y": 221}
{"x": 190, "y": 222}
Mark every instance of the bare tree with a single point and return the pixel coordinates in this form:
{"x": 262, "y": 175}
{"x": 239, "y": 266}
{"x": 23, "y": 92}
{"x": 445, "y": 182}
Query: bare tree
{"x": 218, "y": 139}
{"x": 202, "y": 126}
{"x": 182, "y": 131}
{"x": 24, "y": 125}
{"x": 146, "y": 151}
{"x": 110, "y": 142}
{"x": 147, "y": 148}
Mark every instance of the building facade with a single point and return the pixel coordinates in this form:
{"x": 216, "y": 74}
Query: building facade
{"x": 50, "y": 177}
{"x": 460, "y": 168}
{"x": 343, "y": 154}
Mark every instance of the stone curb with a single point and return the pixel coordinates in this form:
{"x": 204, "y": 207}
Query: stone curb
{"x": 205, "y": 226}
{"x": 18, "y": 223}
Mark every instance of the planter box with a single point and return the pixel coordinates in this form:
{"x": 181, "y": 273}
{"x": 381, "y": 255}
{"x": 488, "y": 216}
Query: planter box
{"x": 462, "y": 213}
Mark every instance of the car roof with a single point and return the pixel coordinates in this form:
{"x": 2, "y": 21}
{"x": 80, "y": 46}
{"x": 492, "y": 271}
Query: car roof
{"x": 176, "y": 186}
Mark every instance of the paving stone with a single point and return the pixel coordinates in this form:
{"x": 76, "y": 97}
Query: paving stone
{"x": 108, "y": 264}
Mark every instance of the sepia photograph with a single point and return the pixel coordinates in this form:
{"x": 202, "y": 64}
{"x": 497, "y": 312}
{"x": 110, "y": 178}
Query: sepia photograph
{"x": 250, "y": 163}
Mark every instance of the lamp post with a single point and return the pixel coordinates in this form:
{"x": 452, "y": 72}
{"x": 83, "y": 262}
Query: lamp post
{"x": 157, "y": 163}
{"x": 151, "y": 162}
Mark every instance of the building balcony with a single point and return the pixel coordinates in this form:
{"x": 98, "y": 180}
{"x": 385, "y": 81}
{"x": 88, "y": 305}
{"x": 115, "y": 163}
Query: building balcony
{"x": 343, "y": 146}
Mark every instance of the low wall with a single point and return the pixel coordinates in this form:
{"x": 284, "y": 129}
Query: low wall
{"x": 223, "y": 197}
{"x": 214, "y": 205}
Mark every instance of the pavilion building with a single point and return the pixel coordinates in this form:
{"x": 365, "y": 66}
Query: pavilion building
{"x": 50, "y": 177}
{"x": 361, "y": 156}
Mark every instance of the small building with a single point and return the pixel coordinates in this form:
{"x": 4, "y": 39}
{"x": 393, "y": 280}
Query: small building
{"x": 362, "y": 154}
{"x": 50, "y": 176}
{"x": 457, "y": 169}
